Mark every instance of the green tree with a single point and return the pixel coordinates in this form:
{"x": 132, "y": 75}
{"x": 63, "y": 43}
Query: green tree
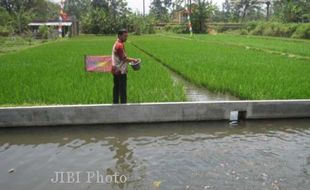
{"x": 159, "y": 11}
{"x": 244, "y": 10}
{"x": 139, "y": 24}
{"x": 106, "y": 17}
{"x": 292, "y": 10}
{"x": 5, "y": 22}
{"x": 200, "y": 14}
{"x": 227, "y": 11}
{"x": 78, "y": 8}
{"x": 24, "y": 11}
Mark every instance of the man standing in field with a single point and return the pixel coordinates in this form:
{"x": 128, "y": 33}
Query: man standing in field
{"x": 119, "y": 68}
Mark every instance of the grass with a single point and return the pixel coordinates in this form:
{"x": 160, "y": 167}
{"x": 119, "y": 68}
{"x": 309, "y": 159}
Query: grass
{"x": 245, "y": 73}
{"x": 54, "y": 73}
{"x": 284, "y": 45}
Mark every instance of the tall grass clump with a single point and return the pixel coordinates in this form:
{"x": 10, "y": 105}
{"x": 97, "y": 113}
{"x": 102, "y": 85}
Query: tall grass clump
{"x": 293, "y": 30}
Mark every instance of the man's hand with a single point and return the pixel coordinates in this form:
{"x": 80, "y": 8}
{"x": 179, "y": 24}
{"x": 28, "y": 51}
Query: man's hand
{"x": 132, "y": 60}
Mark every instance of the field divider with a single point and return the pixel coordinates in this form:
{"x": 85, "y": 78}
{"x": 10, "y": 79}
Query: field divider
{"x": 247, "y": 47}
{"x": 26, "y": 47}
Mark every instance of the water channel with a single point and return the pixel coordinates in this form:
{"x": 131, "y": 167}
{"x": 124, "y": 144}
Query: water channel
{"x": 272, "y": 154}
{"x": 195, "y": 93}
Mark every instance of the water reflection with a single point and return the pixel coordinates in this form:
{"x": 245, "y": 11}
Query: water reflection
{"x": 124, "y": 160}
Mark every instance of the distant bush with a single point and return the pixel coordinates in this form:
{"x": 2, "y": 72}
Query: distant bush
{"x": 5, "y": 31}
{"x": 43, "y": 32}
{"x": 287, "y": 30}
{"x": 250, "y": 26}
{"x": 302, "y": 31}
{"x": 277, "y": 29}
{"x": 179, "y": 29}
{"x": 222, "y": 28}
{"x": 244, "y": 32}
{"x": 258, "y": 30}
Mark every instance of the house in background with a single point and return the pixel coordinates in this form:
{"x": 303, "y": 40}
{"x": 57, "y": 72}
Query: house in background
{"x": 69, "y": 27}
{"x": 179, "y": 16}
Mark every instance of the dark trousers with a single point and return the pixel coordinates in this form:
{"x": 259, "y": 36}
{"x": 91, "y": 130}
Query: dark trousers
{"x": 120, "y": 89}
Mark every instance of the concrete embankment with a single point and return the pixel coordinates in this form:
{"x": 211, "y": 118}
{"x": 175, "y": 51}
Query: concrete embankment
{"x": 151, "y": 112}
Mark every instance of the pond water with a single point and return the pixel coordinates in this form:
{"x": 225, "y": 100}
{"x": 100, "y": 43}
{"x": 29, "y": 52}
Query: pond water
{"x": 272, "y": 154}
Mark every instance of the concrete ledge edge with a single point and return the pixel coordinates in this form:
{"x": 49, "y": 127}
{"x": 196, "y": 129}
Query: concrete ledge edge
{"x": 151, "y": 112}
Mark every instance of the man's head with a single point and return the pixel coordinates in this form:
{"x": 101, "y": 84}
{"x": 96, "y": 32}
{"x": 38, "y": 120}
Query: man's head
{"x": 122, "y": 35}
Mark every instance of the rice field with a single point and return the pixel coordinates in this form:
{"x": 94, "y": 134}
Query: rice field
{"x": 245, "y": 73}
{"x": 288, "y": 46}
{"x": 54, "y": 73}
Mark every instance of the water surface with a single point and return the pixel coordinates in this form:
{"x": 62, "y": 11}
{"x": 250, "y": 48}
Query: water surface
{"x": 205, "y": 155}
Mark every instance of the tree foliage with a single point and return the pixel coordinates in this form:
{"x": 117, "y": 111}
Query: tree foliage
{"x": 21, "y": 12}
{"x": 105, "y": 16}
{"x": 159, "y": 10}
{"x": 292, "y": 10}
{"x": 281, "y": 10}
{"x": 200, "y": 13}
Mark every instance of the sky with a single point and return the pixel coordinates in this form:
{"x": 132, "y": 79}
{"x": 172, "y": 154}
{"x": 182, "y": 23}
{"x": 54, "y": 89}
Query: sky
{"x": 137, "y": 5}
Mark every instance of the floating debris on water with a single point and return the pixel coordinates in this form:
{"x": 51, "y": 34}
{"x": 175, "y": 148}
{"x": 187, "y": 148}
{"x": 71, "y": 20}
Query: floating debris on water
{"x": 264, "y": 176}
{"x": 11, "y": 170}
{"x": 275, "y": 185}
{"x": 233, "y": 123}
{"x": 156, "y": 184}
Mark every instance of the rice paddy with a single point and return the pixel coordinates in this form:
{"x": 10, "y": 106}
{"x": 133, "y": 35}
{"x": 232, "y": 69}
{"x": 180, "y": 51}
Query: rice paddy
{"x": 54, "y": 73}
{"x": 288, "y": 46}
{"x": 246, "y": 73}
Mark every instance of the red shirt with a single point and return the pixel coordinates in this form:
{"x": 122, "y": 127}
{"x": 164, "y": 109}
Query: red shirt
{"x": 120, "y": 49}
{"x": 119, "y": 66}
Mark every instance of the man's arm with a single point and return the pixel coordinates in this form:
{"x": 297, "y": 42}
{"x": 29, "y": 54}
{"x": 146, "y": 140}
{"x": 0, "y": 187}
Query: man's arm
{"x": 121, "y": 53}
{"x": 129, "y": 59}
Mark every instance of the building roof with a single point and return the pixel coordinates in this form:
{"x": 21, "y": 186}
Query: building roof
{"x": 50, "y": 23}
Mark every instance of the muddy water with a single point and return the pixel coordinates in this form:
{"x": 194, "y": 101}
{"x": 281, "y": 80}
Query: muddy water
{"x": 206, "y": 155}
{"x": 195, "y": 93}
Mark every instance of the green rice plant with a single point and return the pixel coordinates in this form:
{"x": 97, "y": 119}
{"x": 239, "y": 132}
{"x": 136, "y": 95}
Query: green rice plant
{"x": 54, "y": 73}
{"x": 242, "y": 72}
{"x": 284, "y": 45}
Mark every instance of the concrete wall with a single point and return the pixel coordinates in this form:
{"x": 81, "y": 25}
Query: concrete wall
{"x": 150, "y": 112}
